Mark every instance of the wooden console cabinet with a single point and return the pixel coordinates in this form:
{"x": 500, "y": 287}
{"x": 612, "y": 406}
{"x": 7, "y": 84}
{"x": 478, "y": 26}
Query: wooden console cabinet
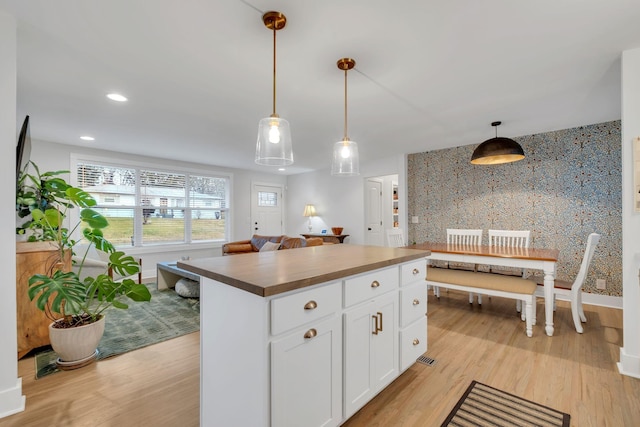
{"x": 33, "y": 325}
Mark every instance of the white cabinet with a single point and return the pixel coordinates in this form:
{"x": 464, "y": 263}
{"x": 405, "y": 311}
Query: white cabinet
{"x": 308, "y": 357}
{"x": 370, "y": 350}
{"x": 306, "y": 376}
{"x": 413, "y": 311}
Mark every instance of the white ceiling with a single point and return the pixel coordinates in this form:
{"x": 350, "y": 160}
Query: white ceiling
{"x": 429, "y": 74}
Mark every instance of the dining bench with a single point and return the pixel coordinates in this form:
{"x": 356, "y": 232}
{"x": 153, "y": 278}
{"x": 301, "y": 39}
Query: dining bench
{"x": 490, "y": 284}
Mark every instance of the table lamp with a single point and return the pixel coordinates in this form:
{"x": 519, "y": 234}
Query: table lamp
{"x": 309, "y": 211}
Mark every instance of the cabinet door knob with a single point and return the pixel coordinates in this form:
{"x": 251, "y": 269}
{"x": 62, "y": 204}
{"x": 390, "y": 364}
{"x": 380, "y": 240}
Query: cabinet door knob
{"x": 310, "y": 333}
{"x": 415, "y": 271}
{"x": 375, "y": 284}
{"x": 416, "y": 301}
{"x": 416, "y": 341}
{"x": 310, "y": 305}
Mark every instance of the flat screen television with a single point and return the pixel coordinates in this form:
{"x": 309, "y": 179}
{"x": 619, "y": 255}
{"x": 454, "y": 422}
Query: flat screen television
{"x": 23, "y": 149}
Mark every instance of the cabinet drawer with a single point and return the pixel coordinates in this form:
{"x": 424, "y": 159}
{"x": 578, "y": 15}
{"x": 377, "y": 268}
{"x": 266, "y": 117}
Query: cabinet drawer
{"x": 413, "y": 272}
{"x": 413, "y": 303}
{"x": 294, "y": 310}
{"x": 370, "y": 285}
{"x": 413, "y": 343}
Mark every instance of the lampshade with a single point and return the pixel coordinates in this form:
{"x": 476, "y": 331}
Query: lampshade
{"x": 309, "y": 210}
{"x": 274, "y": 146}
{"x": 497, "y": 150}
{"x": 346, "y": 159}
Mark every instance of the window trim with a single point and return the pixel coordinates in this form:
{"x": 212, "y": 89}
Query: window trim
{"x": 76, "y": 158}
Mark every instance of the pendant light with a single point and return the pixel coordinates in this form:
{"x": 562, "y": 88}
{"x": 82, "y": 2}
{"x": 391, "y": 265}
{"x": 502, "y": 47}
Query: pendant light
{"x": 274, "y": 136}
{"x": 346, "y": 160}
{"x": 497, "y": 150}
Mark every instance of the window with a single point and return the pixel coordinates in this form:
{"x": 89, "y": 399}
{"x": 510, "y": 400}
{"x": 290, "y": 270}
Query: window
{"x": 148, "y": 207}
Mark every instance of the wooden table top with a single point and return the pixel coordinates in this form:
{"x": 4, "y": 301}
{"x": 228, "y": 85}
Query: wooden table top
{"x": 272, "y": 273}
{"x": 490, "y": 251}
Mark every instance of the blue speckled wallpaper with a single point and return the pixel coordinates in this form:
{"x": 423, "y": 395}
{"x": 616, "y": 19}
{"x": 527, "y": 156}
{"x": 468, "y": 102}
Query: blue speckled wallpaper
{"x": 568, "y": 186}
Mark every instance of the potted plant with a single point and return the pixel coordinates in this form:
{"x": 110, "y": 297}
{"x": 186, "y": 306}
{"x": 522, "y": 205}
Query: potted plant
{"x": 76, "y": 306}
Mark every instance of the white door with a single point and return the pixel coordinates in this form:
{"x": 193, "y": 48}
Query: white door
{"x": 266, "y": 209}
{"x": 373, "y": 212}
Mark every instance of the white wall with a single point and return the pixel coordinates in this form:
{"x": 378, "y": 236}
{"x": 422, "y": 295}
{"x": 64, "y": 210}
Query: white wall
{"x": 11, "y": 398}
{"x": 339, "y": 201}
{"x": 630, "y": 353}
{"x": 51, "y": 156}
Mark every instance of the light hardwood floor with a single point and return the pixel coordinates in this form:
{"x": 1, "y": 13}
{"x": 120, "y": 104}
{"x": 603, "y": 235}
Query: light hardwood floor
{"x": 159, "y": 385}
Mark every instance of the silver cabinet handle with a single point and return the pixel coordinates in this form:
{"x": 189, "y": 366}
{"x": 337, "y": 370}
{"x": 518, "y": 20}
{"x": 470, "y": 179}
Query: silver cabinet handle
{"x": 310, "y": 333}
{"x": 416, "y": 301}
{"x": 416, "y": 341}
{"x": 310, "y": 305}
{"x": 415, "y": 271}
{"x": 375, "y": 284}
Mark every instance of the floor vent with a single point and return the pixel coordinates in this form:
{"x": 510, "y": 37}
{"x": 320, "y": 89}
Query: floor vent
{"x": 426, "y": 360}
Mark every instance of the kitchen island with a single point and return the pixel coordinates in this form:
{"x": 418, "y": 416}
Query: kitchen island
{"x": 306, "y": 336}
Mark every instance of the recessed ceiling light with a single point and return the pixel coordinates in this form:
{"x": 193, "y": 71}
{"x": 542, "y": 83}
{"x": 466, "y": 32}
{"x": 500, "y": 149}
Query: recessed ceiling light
{"x": 116, "y": 97}
{"x": 87, "y": 138}
{"x": 281, "y": 169}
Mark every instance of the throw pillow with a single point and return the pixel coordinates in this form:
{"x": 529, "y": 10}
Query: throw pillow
{"x": 269, "y": 246}
{"x": 257, "y": 240}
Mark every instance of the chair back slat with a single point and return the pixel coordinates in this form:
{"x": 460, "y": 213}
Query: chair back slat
{"x": 395, "y": 237}
{"x": 511, "y": 238}
{"x": 463, "y": 236}
{"x": 592, "y": 242}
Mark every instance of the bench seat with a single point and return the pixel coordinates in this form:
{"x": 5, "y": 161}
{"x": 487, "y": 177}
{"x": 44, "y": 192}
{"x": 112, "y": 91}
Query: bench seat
{"x": 491, "y": 284}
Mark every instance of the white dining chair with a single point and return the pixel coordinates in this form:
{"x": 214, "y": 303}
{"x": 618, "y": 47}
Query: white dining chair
{"x": 572, "y": 290}
{"x": 514, "y": 239}
{"x": 395, "y": 237}
{"x": 463, "y": 236}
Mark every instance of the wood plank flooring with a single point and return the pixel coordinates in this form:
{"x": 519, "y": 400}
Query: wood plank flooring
{"x": 574, "y": 373}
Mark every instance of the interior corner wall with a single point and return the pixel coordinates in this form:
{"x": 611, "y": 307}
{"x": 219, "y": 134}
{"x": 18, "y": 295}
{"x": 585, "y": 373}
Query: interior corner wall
{"x": 630, "y": 353}
{"x": 339, "y": 201}
{"x": 11, "y": 398}
{"x": 52, "y": 156}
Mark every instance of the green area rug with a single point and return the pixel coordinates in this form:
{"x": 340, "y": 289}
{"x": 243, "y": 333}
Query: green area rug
{"x": 484, "y": 406}
{"x": 166, "y": 316}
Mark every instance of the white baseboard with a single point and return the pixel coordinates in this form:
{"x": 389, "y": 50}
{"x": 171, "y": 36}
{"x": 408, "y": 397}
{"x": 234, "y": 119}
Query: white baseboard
{"x": 596, "y": 299}
{"x": 11, "y": 400}
{"x": 629, "y": 365}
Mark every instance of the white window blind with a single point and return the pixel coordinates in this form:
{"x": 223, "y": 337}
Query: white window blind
{"x": 150, "y": 207}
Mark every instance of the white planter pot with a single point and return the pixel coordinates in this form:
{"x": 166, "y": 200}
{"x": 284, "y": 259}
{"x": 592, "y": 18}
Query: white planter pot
{"x": 76, "y": 344}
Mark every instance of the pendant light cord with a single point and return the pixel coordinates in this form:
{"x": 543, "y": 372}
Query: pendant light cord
{"x": 346, "y": 138}
{"x": 274, "y": 71}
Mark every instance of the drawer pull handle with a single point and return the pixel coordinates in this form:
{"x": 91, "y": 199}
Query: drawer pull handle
{"x": 375, "y": 284}
{"x": 416, "y": 341}
{"x": 415, "y": 271}
{"x": 310, "y": 333}
{"x": 378, "y": 326}
{"x": 416, "y": 301}
{"x": 310, "y": 305}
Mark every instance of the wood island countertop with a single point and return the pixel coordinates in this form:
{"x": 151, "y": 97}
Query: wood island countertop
{"x": 271, "y": 273}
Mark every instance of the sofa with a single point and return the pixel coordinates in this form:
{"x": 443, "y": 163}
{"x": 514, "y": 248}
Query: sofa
{"x": 259, "y": 243}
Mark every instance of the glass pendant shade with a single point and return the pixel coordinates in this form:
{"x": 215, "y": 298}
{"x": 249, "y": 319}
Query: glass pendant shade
{"x": 274, "y": 146}
{"x": 346, "y": 160}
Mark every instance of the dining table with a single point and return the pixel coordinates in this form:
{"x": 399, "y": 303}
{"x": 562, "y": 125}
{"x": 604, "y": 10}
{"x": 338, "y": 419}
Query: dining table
{"x": 544, "y": 259}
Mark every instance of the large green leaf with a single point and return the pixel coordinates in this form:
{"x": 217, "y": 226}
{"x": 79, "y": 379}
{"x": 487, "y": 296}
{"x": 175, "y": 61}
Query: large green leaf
{"x": 124, "y": 265}
{"x": 60, "y": 288}
{"x": 80, "y": 197}
{"x": 93, "y": 219}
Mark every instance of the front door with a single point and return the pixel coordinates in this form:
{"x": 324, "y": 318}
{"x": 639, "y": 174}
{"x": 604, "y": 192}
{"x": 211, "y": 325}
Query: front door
{"x": 373, "y": 212}
{"x": 266, "y": 209}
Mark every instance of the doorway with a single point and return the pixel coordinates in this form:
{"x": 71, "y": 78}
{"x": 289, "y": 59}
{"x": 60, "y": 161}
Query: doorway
{"x": 266, "y": 209}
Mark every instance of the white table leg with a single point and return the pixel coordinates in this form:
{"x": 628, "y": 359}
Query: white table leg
{"x": 549, "y": 279}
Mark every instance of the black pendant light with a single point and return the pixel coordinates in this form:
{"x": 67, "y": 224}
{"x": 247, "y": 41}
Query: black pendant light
{"x": 497, "y": 150}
